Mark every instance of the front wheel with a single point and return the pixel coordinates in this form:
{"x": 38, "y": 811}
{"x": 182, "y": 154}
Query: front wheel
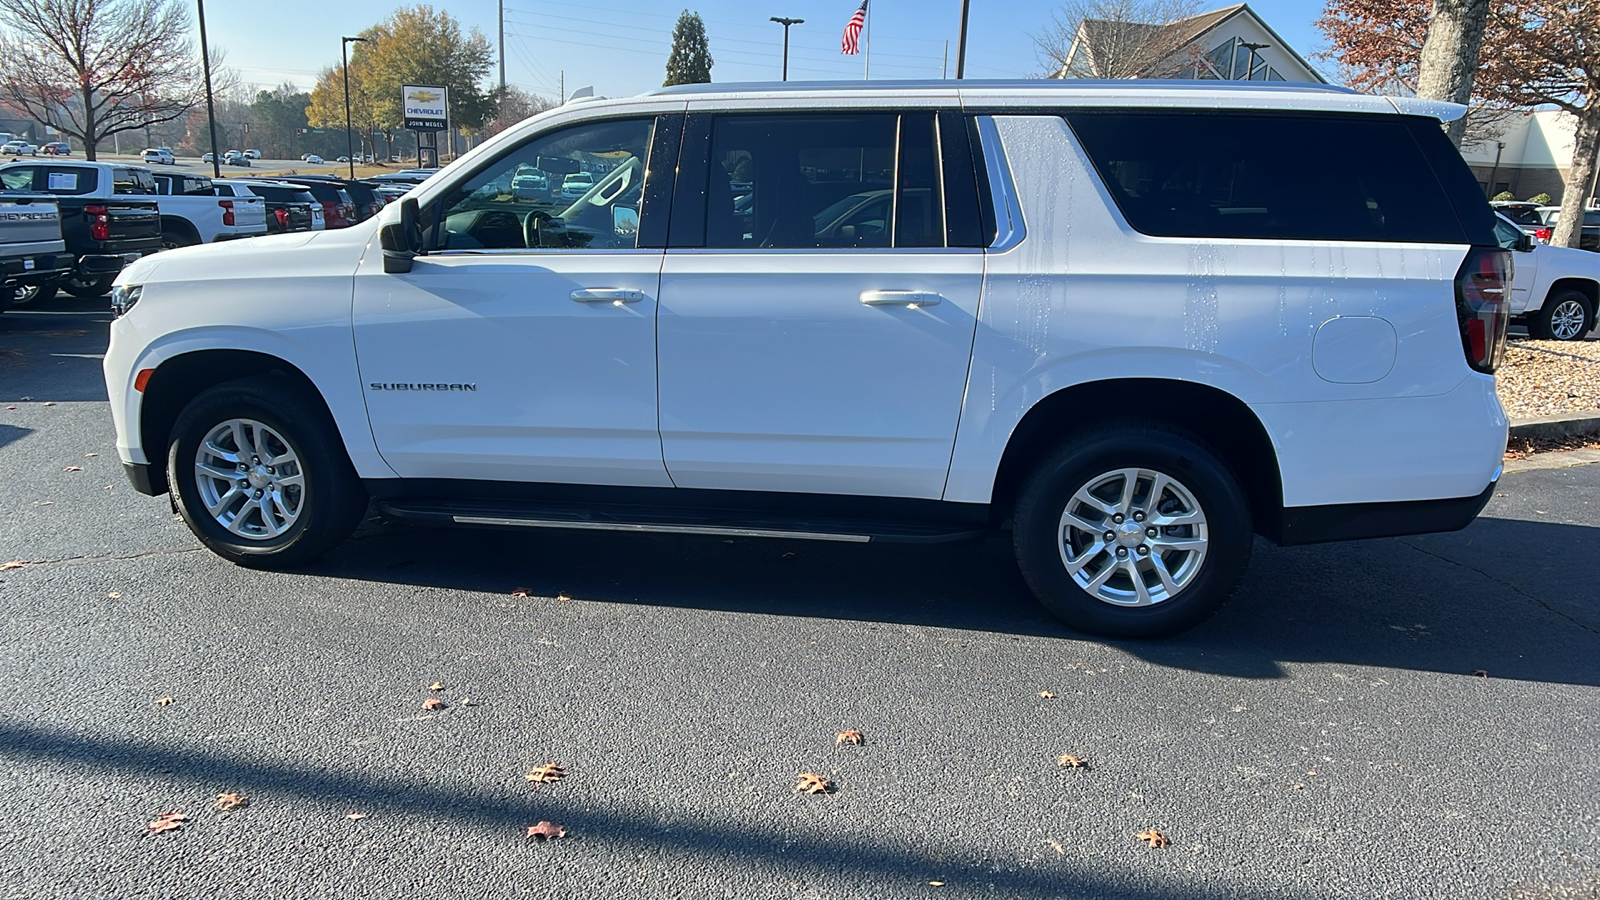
{"x": 86, "y": 287}
{"x": 1566, "y": 316}
{"x": 1133, "y": 531}
{"x": 259, "y": 474}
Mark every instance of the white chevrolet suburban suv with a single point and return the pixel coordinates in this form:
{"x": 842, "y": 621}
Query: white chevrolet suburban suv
{"x": 1132, "y": 324}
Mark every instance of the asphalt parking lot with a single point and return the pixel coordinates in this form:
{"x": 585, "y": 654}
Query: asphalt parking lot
{"x": 1325, "y": 736}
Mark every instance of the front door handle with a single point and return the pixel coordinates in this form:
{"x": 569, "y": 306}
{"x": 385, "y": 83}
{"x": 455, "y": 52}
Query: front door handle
{"x": 912, "y": 299}
{"x": 607, "y": 295}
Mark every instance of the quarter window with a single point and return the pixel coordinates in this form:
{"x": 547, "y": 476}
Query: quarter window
{"x": 579, "y": 188}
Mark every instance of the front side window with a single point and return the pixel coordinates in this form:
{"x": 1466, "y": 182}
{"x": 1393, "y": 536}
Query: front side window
{"x": 823, "y": 181}
{"x": 574, "y": 189}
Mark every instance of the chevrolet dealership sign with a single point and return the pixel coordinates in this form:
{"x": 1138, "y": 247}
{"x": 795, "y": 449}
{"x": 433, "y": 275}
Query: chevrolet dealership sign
{"x": 424, "y": 106}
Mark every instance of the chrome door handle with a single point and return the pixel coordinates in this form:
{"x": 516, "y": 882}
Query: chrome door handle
{"x": 911, "y": 299}
{"x": 607, "y": 295}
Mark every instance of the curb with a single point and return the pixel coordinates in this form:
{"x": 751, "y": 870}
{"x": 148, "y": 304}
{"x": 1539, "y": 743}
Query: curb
{"x": 1555, "y": 426}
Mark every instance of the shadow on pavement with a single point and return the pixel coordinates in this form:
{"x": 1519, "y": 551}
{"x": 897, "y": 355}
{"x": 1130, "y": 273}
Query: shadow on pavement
{"x": 52, "y": 351}
{"x": 814, "y": 853}
{"x": 1486, "y": 598}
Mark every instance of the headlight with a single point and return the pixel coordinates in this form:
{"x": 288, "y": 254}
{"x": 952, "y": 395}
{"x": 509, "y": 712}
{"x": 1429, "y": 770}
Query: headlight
{"x": 124, "y": 296}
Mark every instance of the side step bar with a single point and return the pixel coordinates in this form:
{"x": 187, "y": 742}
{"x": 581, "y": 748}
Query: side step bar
{"x": 717, "y": 523}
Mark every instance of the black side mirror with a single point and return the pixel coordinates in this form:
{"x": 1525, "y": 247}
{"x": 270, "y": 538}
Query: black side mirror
{"x": 1526, "y": 244}
{"x": 402, "y": 240}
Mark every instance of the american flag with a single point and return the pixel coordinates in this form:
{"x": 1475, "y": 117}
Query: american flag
{"x": 852, "y": 31}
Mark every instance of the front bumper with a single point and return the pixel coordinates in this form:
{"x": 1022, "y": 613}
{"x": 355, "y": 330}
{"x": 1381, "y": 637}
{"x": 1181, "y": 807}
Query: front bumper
{"x": 139, "y": 475}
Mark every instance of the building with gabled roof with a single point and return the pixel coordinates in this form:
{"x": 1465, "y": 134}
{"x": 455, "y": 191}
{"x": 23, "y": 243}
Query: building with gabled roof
{"x": 1228, "y": 44}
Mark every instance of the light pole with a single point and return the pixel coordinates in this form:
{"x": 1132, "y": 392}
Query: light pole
{"x": 1250, "y": 64}
{"x": 961, "y": 41}
{"x": 211, "y": 110}
{"x": 786, "y": 23}
{"x": 349, "y": 136}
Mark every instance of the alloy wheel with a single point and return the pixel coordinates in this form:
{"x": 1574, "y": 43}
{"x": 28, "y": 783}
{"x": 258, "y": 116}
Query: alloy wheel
{"x": 1133, "y": 537}
{"x": 249, "y": 479}
{"x": 1566, "y": 320}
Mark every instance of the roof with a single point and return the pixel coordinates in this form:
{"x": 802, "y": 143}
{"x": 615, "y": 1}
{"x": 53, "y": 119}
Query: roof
{"x": 1088, "y": 86}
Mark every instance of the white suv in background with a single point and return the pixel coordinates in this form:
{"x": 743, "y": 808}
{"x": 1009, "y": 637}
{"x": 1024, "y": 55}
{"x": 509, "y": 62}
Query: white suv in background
{"x": 1114, "y": 320}
{"x": 158, "y": 155}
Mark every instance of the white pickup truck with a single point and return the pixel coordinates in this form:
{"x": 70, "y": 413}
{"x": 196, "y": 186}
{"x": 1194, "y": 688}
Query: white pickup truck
{"x": 1554, "y": 290}
{"x": 192, "y": 213}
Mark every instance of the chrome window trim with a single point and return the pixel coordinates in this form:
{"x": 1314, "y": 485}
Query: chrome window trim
{"x": 1010, "y": 229}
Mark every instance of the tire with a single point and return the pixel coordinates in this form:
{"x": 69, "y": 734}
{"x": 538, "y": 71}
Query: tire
{"x": 1567, "y": 315}
{"x": 24, "y": 294}
{"x": 172, "y": 240}
{"x": 1096, "y": 466}
{"x": 79, "y": 286}
{"x": 312, "y": 514}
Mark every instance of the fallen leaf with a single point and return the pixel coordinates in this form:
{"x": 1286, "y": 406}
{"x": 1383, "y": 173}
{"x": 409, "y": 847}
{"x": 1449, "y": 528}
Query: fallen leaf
{"x": 1155, "y": 839}
{"x": 849, "y": 737}
{"x": 1311, "y": 774}
{"x": 521, "y": 592}
{"x": 356, "y": 817}
{"x": 563, "y": 596}
{"x": 1047, "y": 695}
{"x": 812, "y": 783}
{"x": 73, "y": 469}
{"x": 11, "y": 407}
{"x": 90, "y": 455}
{"x": 231, "y": 800}
{"x": 466, "y": 701}
{"x": 937, "y": 883}
{"x": 49, "y": 403}
{"x": 436, "y": 686}
{"x": 53, "y": 503}
{"x": 433, "y": 703}
{"x": 1481, "y": 673}
{"x": 1072, "y": 762}
{"x": 547, "y": 831}
{"x": 114, "y": 595}
{"x": 1056, "y": 846}
{"x": 164, "y": 701}
{"x": 547, "y": 773}
{"x": 171, "y": 821}
{"x": 14, "y": 564}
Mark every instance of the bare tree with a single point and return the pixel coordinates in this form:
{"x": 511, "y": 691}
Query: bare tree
{"x": 93, "y": 68}
{"x": 514, "y": 104}
{"x": 1450, "y": 55}
{"x": 1112, "y": 38}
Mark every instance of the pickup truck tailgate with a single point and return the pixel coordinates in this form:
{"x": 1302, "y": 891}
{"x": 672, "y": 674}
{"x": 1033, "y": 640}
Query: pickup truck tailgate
{"x": 133, "y": 224}
{"x": 249, "y": 215}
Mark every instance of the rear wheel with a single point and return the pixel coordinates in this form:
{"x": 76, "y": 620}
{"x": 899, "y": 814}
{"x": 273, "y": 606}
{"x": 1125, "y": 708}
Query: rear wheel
{"x": 22, "y": 294}
{"x": 1566, "y": 316}
{"x": 85, "y": 286}
{"x": 259, "y": 474}
{"x": 172, "y": 240}
{"x": 1134, "y": 531}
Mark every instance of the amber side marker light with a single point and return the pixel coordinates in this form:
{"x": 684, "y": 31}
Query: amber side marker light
{"x": 142, "y": 379}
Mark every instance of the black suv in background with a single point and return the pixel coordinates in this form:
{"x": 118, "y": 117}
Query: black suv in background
{"x": 288, "y": 207}
{"x": 363, "y": 195}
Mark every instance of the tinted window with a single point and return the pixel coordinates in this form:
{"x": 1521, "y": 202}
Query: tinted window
{"x": 1280, "y": 177}
{"x": 823, "y": 181}
{"x": 1522, "y": 215}
{"x": 18, "y": 178}
{"x": 132, "y": 181}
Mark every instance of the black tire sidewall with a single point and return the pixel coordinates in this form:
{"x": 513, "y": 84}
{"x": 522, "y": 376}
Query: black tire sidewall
{"x": 330, "y": 492}
{"x": 1044, "y": 497}
{"x": 1540, "y": 326}
{"x": 98, "y": 288}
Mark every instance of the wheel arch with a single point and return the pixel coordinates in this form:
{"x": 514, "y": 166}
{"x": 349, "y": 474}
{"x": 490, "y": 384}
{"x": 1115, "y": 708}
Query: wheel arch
{"x": 177, "y": 381}
{"x": 182, "y": 226}
{"x": 1217, "y": 417}
{"x": 1584, "y": 286}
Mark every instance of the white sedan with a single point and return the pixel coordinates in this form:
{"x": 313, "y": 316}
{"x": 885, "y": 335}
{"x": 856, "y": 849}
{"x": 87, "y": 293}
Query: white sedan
{"x": 314, "y": 159}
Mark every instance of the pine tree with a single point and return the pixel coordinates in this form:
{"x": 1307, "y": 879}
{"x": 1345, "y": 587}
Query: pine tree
{"x": 690, "y": 62}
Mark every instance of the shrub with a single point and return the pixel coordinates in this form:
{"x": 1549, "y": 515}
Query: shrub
{"x": 1540, "y": 198}
{"x": 1505, "y": 195}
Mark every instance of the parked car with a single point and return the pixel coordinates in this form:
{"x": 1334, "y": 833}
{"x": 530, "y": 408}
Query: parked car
{"x": 252, "y": 154}
{"x": 1589, "y": 239}
{"x": 576, "y": 185}
{"x": 288, "y": 206}
{"x": 32, "y": 251}
{"x": 161, "y": 156}
{"x": 109, "y": 217}
{"x": 18, "y": 148}
{"x": 191, "y": 212}
{"x": 1183, "y": 342}
{"x": 338, "y": 210}
{"x": 1554, "y": 290}
{"x": 362, "y": 198}
{"x": 56, "y": 148}
{"x": 405, "y": 178}
{"x": 208, "y": 157}
{"x": 313, "y": 159}
{"x": 531, "y": 185}
{"x": 236, "y": 158}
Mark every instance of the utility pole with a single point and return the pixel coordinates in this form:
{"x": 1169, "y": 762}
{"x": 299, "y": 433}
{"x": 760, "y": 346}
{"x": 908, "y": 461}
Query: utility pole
{"x": 944, "y": 66}
{"x": 211, "y": 109}
{"x": 961, "y": 41}
{"x": 563, "y": 97}
{"x": 349, "y": 136}
{"x": 786, "y": 23}
{"x": 502, "y": 5}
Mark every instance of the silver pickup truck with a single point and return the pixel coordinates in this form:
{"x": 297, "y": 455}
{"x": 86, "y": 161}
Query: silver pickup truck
{"x": 31, "y": 248}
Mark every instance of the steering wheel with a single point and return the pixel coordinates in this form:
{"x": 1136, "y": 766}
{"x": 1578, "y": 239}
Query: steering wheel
{"x": 533, "y": 230}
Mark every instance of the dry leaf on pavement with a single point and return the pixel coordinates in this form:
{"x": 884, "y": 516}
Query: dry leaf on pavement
{"x": 1047, "y": 695}
{"x": 812, "y": 783}
{"x": 1056, "y": 846}
{"x": 548, "y": 773}
{"x": 171, "y": 821}
{"x": 164, "y": 701}
{"x": 114, "y": 595}
{"x": 231, "y": 800}
{"x": 849, "y": 737}
{"x": 1154, "y": 839}
{"x": 14, "y": 564}
{"x": 563, "y": 596}
{"x": 1481, "y": 673}
{"x": 356, "y": 817}
{"x": 433, "y": 703}
{"x": 73, "y": 469}
{"x": 1072, "y": 762}
{"x": 436, "y": 686}
{"x": 547, "y": 831}
{"x": 90, "y": 455}
{"x": 521, "y": 592}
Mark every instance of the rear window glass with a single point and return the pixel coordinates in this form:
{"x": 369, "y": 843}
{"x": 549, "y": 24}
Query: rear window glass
{"x": 1276, "y": 177}
{"x": 132, "y": 181}
{"x": 1522, "y": 215}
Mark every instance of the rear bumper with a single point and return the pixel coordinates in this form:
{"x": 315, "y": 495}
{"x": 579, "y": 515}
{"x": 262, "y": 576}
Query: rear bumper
{"x": 43, "y": 267}
{"x": 1355, "y": 521}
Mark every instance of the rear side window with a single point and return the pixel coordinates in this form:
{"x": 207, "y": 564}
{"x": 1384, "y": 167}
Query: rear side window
{"x": 1275, "y": 177}
{"x": 132, "y": 181}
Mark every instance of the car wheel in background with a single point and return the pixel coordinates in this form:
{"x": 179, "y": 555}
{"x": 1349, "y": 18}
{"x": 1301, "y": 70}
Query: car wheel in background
{"x": 1567, "y": 315}
{"x": 23, "y": 294}
{"x": 1132, "y": 531}
{"x": 82, "y": 286}
{"x": 260, "y": 476}
{"x": 172, "y": 240}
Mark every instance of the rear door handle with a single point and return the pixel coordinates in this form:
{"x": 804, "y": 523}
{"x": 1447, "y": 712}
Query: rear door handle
{"x": 900, "y": 298}
{"x": 607, "y": 295}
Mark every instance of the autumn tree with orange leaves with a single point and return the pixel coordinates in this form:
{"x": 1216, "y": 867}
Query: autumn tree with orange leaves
{"x": 1535, "y": 53}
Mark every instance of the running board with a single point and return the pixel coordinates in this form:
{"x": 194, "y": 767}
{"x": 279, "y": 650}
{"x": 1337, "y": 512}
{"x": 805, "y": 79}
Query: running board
{"x": 652, "y": 520}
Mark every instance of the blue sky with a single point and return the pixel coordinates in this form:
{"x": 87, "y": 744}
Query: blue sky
{"x": 620, "y": 46}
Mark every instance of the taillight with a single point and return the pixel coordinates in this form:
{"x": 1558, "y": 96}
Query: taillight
{"x": 227, "y": 211}
{"x": 283, "y": 217}
{"x": 99, "y": 222}
{"x": 1483, "y": 305}
{"x": 1543, "y": 234}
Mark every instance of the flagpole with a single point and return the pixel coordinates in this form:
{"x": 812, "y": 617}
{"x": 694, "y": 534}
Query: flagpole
{"x": 866, "y": 74}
